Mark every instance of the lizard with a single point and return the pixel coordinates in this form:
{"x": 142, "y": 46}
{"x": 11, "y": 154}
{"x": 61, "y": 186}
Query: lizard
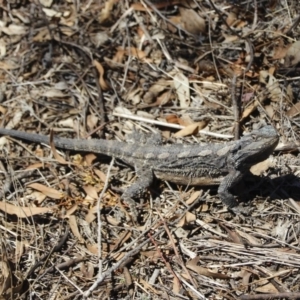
{"x": 223, "y": 164}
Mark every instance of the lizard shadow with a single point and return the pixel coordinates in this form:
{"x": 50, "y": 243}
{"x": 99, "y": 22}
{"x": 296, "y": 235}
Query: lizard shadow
{"x": 253, "y": 187}
{"x": 283, "y": 187}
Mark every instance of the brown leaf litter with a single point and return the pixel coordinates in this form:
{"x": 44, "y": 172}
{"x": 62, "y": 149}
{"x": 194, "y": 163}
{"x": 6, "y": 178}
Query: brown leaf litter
{"x": 196, "y": 72}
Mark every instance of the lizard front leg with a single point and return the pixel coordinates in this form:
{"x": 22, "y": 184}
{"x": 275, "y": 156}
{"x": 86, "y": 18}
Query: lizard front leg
{"x": 145, "y": 179}
{"x": 229, "y": 181}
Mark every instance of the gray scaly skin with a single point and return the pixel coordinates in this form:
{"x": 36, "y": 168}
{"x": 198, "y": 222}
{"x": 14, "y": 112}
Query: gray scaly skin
{"x": 208, "y": 164}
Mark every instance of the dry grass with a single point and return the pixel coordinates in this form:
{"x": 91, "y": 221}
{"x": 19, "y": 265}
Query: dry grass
{"x": 106, "y": 68}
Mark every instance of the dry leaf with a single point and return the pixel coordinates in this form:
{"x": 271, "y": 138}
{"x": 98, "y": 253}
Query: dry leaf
{"x": 100, "y": 174}
{"x": 2, "y": 48}
{"x": 246, "y": 276}
{"x": 104, "y": 85}
{"x": 270, "y": 111}
{"x": 15, "y": 120}
{"x": 67, "y": 123}
{"x": 185, "y": 120}
{"x": 176, "y": 20}
{"x": 180, "y": 233}
{"x": 272, "y": 85}
{"x": 24, "y": 212}
{"x": 5, "y": 276}
{"x": 48, "y": 191}
{"x": 191, "y": 21}
{"x": 192, "y": 265}
{"x": 292, "y": 55}
{"x": 176, "y": 285}
{"x": 251, "y": 239}
{"x": 12, "y": 29}
{"x": 152, "y": 254}
{"x": 71, "y": 211}
{"x": 58, "y": 157}
{"x": 233, "y": 235}
{"x": 69, "y": 19}
{"x": 261, "y": 167}
{"x": 87, "y": 270}
{"x": 8, "y": 64}
{"x": 229, "y": 38}
{"x": 194, "y": 197}
{"x": 174, "y": 119}
{"x": 294, "y": 111}
{"x": 3, "y": 142}
{"x": 163, "y": 99}
{"x": 231, "y": 18}
{"x": 119, "y": 55}
{"x": 295, "y": 204}
{"x": 52, "y": 13}
{"x": 90, "y": 216}
{"x": 121, "y": 240}
{"x": 149, "y": 287}
{"x": 93, "y": 248}
{"x": 106, "y": 11}
{"x": 249, "y": 109}
{"x": 128, "y": 279}
{"x": 266, "y": 288}
{"x": 155, "y": 90}
{"x": 46, "y": 3}
{"x": 188, "y": 130}
{"x": 74, "y": 227}
{"x": 188, "y": 218}
{"x": 157, "y": 4}
{"x": 54, "y": 93}
{"x": 280, "y": 52}
{"x": 42, "y": 35}
{"x": 92, "y": 121}
{"x": 113, "y": 221}
{"x": 20, "y": 246}
{"x": 134, "y": 96}
{"x": 91, "y": 191}
{"x": 38, "y": 197}
{"x": 182, "y": 87}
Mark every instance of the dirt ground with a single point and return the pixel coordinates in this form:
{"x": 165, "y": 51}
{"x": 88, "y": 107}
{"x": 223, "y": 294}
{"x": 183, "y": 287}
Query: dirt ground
{"x": 194, "y": 71}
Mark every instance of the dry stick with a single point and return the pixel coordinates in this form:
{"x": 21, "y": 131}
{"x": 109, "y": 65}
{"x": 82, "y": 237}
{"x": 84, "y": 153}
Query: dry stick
{"x": 272, "y": 280}
{"x": 9, "y": 180}
{"x": 236, "y": 108}
{"x": 118, "y": 264}
{"x": 255, "y": 15}
{"x": 234, "y": 100}
{"x": 99, "y": 216}
{"x": 131, "y": 253}
{"x": 168, "y": 265}
{"x": 64, "y": 264}
{"x": 100, "y": 97}
{"x": 88, "y": 56}
{"x": 177, "y": 254}
{"x": 166, "y": 19}
{"x": 294, "y": 25}
{"x": 127, "y": 257}
{"x": 251, "y": 49}
{"x": 212, "y": 53}
{"x": 56, "y": 248}
{"x": 236, "y": 33}
{"x": 271, "y": 296}
{"x": 169, "y": 125}
{"x": 222, "y": 18}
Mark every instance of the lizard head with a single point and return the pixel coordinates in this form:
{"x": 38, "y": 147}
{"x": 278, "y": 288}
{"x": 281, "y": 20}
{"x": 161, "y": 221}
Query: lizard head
{"x": 254, "y": 148}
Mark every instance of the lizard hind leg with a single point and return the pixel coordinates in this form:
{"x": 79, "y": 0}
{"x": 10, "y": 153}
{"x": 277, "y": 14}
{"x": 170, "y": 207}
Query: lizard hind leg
{"x": 144, "y": 180}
